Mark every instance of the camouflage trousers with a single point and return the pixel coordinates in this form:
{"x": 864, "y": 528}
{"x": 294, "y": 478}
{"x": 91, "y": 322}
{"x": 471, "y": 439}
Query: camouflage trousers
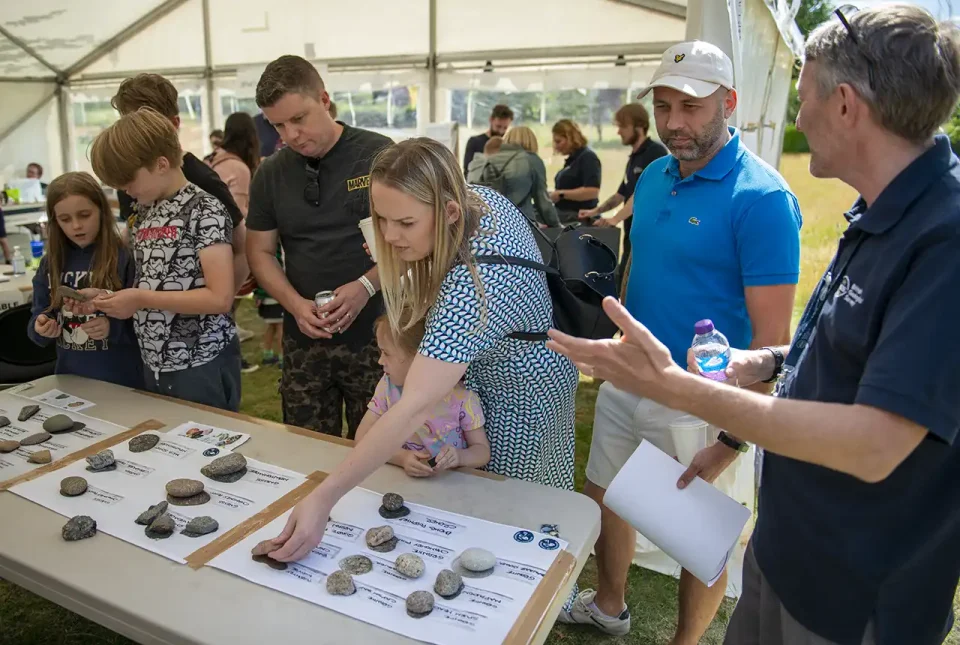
{"x": 321, "y": 384}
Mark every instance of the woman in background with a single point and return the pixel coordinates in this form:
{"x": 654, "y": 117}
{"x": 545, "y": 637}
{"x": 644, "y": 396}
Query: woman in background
{"x": 577, "y": 185}
{"x": 238, "y": 157}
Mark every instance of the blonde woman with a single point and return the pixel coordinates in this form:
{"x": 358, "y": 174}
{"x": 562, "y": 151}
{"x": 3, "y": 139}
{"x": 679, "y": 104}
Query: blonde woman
{"x": 525, "y": 176}
{"x": 430, "y": 226}
{"x": 577, "y": 184}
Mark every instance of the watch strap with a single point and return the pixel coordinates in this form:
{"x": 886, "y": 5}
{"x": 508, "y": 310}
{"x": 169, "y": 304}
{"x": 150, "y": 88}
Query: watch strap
{"x": 778, "y": 359}
{"x": 730, "y": 442}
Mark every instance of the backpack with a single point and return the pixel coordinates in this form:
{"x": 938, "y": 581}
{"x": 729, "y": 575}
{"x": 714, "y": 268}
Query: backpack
{"x": 580, "y": 274}
{"x": 492, "y": 177}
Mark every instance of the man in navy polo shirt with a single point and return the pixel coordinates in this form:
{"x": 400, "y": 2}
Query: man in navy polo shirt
{"x": 858, "y": 533}
{"x": 715, "y": 235}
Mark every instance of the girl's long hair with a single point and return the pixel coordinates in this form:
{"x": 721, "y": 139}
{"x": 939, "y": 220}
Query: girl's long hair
{"x": 427, "y": 171}
{"x": 240, "y": 138}
{"x": 104, "y": 269}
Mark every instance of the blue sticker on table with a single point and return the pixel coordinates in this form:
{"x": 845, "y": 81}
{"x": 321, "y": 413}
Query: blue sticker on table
{"x": 549, "y": 544}
{"x": 211, "y": 452}
{"x": 523, "y": 536}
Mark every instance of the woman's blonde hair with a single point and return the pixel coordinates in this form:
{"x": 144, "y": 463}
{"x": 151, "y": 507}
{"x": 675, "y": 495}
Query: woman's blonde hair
{"x": 524, "y": 137}
{"x": 427, "y": 171}
{"x": 104, "y": 272}
{"x": 571, "y": 131}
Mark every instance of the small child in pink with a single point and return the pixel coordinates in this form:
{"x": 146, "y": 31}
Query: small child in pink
{"x": 451, "y": 437}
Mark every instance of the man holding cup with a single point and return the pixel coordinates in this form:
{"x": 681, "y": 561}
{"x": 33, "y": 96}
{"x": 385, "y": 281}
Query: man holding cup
{"x": 311, "y": 197}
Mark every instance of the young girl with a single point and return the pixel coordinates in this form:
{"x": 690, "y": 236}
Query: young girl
{"x": 451, "y": 437}
{"x": 84, "y": 251}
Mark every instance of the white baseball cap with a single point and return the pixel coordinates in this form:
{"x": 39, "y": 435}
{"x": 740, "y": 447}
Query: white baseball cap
{"x": 695, "y": 68}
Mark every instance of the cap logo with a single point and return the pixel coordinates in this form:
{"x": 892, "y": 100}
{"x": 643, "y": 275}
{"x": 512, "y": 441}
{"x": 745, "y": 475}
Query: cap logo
{"x": 679, "y": 57}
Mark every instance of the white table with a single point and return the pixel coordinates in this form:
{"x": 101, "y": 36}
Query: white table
{"x": 16, "y": 289}
{"x": 153, "y": 600}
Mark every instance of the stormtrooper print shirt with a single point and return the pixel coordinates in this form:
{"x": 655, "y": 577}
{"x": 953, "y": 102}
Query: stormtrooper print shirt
{"x": 168, "y": 237}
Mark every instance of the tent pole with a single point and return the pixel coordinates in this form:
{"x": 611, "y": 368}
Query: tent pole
{"x": 27, "y": 49}
{"x": 27, "y": 115}
{"x": 208, "y": 70}
{"x": 432, "y": 61}
{"x": 63, "y": 116}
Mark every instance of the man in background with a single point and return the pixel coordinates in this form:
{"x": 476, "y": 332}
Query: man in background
{"x": 500, "y": 119}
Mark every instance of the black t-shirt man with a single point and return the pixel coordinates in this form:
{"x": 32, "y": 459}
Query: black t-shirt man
{"x": 474, "y": 146}
{"x": 581, "y": 169}
{"x": 323, "y": 245}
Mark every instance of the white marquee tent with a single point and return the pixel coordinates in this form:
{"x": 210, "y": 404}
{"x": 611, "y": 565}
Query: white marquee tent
{"x": 61, "y": 61}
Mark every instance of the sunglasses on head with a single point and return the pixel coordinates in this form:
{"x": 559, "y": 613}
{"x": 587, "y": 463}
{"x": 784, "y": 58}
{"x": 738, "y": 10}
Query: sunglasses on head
{"x": 311, "y": 192}
{"x": 842, "y": 13}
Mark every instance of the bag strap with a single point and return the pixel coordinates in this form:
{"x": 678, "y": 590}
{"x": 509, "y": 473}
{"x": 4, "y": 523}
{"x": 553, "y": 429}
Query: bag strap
{"x": 511, "y": 260}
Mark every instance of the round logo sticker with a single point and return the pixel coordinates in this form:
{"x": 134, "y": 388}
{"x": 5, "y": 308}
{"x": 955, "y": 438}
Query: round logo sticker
{"x": 211, "y": 452}
{"x": 549, "y": 544}
{"x": 523, "y": 536}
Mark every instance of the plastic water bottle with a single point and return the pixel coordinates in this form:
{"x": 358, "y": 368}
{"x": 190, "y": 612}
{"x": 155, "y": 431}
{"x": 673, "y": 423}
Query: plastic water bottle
{"x": 711, "y": 351}
{"x": 19, "y": 262}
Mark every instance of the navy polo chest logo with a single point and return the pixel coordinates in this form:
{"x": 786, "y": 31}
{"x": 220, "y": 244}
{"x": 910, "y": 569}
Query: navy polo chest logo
{"x": 850, "y": 292}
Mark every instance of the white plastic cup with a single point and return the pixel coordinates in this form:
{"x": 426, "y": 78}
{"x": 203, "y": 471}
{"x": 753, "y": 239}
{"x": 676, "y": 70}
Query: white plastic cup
{"x": 366, "y": 227}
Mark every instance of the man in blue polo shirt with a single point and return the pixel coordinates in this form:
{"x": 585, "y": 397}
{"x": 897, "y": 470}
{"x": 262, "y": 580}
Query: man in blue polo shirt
{"x": 858, "y": 532}
{"x": 715, "y": 235}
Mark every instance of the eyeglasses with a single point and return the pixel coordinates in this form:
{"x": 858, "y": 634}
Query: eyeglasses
{"x": 311, "y": 192}
{"x": 842, "y": 13}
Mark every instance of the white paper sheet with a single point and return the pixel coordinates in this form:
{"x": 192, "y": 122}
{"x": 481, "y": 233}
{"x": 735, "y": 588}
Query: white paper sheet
{"x": 698, "y": 526}
{"x": 13, "y": 464}
{"x": 221, "y": 438}
{"x": 65, "y": 401}
{"x": 115, "y": 498}
{"x": 484, "y": 612}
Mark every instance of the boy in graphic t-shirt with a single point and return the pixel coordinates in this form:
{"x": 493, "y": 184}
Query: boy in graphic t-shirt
{"x": 185, "y": 284}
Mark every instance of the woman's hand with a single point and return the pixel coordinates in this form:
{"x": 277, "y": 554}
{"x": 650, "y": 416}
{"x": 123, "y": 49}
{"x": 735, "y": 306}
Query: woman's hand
{"x": 98, "y": 328}
{"x": 605, "y": 222}
{"x": 414, "y": 463}
{"x": 121, "y": 305}
{"x": 554, "y": 196}
{"x": 304, "y": 529}
{"x": 447, "y": 459}
{"x": 47, "y": 327}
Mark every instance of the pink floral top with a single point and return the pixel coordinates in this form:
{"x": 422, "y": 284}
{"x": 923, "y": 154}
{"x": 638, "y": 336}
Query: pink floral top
{"x": 459, "y": 412}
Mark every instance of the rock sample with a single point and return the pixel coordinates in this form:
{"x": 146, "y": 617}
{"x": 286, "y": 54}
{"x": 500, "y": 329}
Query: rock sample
{"x": 8, "y": 445}
{"x": 161, "y": 528}
{"x": 27, "y": 411}
{"x": 340, "y": 583}
{"x": 4, "y": 422}
{"x": 101, "y": 462}
{"x": 393, "y": 507}
{"x": 270, "y": 562}
{"x": 58, "y": 423}
{"x": 73, "y": 486}
{"x": 143, "y": 442}
{"x": 476, "y": 562}
{"x": 40, "y": 457}
{"x": 79, "y": 528}
{"x": 409, "y": 565}
{"x": 194, "y": 500}
{"x": 356, "y": 565}
{"x": 226, "y": 469}
{"x": 419, "y": 604}
{"x": 198, "y": 526}
{"x": 449, "y": 584}
{"x": 381, "y": 539}
{"x": 184, "y": 487}
{"x": 152, "y": 513}
{"x": 265, "y": 547}
{"x": 35, "y": 439}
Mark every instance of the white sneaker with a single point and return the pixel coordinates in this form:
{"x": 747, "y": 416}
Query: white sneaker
{"x": 582, "y": 613}
{"x": 244, "y": 334}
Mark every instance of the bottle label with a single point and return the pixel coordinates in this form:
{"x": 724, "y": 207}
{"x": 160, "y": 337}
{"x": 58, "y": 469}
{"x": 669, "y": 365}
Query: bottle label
{"x": 714, "y": 367}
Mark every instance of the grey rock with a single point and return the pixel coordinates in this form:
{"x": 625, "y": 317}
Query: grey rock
{"x": 224, "y": 465}
{"x": 202, "y": 525}
{"x": 378, "y": 535}
{"x": 77, "y": 425}
{"x": 143, "y": 442}
{"x": 195, "y": 500}
{"x": 184, "y": 487}
{"x": 8, "y": 445}
{"x": 161, "y": 528}
{"x": 4, "y": 422}
{"x": 409, "y": 565}
{"x": 449, "y": 584}
{"x": 73, "y": 486}
{"x": 101, "y": 460}
{"x": 387, "y": 546}
{"x": 58, "y": 423}
{"x": 40, "y": 457}
{"x": 105, "y": 469}
{"x": 477, "y": 560}
{"x": 152, "y": 513}
{"x": 27, "y": 411}
{"x": 356, "y": 565}
{"x": 270, "y": 562}
{"x": 392, "y": 502}
{"x": 340, "y": 583}
{"x": 79, "y": 528}
{"x": 229, "y": 479}
{"x": 34, "y": 439}
{"x": 393, "y": 515}
{"x": 419, "y": 604}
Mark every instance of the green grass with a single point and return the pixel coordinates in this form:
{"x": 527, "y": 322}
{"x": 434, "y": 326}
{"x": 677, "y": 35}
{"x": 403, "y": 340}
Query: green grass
{"x": 26, "y": 619}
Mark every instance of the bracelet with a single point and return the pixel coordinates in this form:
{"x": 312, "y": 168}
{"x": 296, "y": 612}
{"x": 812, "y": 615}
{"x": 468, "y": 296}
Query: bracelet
{"x": 733, "y": 444}
{"x": 365, "y": 281}
{"x": 777, "y": 363}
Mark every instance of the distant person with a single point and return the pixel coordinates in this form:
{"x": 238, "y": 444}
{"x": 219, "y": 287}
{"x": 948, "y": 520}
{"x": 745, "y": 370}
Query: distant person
{"x": 500, "y": 119}
{"x": 270, "y": 140}
{"x": 475, "y": 171}
{"x": 216, "y": 140}
{"x": 237, "y": 157}
{"x": 577, "y": 185}
{"x": 633, "y": 125}
{"x": 4, "y": 245}
{"x": 35, "y": 171}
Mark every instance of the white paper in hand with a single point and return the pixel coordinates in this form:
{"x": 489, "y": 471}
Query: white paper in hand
{"x": 698, "y": 526}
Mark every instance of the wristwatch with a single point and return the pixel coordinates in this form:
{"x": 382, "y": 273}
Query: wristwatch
{"x": 777, "y": 363}
{"x": 730, "y": 442}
